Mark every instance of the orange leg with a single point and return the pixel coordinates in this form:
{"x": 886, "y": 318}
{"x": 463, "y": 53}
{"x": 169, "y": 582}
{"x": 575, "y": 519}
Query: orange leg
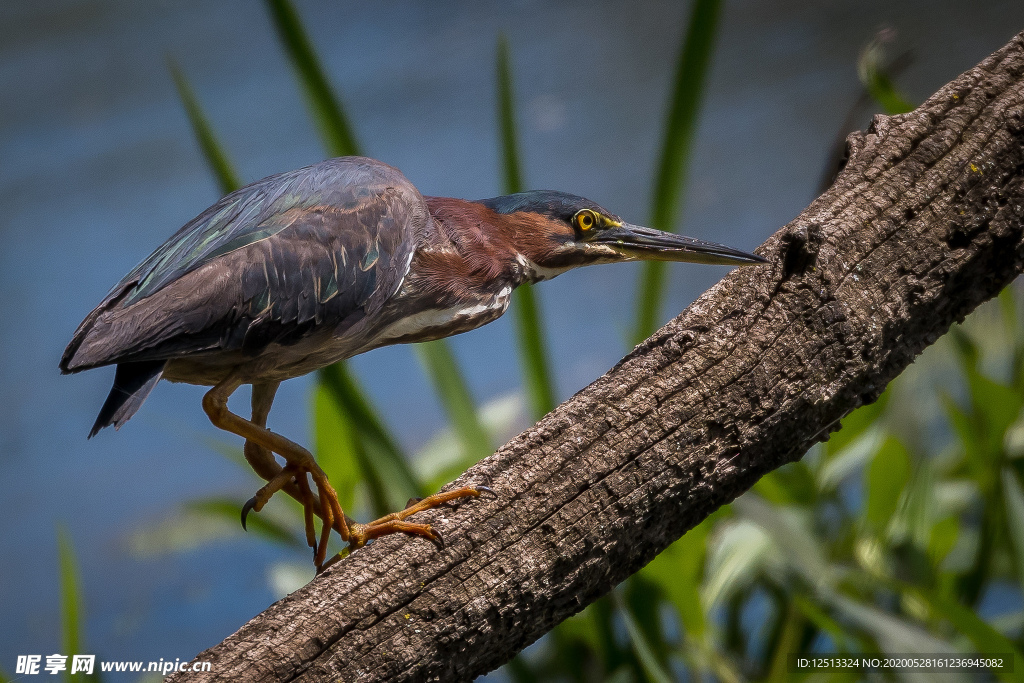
{"x": 395, "y": 522}
{"x": 360, "y": 534}
{"x": 261, "y": 444}
{"x": 299, "y": 463}
{"x": 263, "y": 463}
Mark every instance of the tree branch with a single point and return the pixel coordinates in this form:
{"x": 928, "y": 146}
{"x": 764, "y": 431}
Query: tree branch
{"x": 922, "y": 225}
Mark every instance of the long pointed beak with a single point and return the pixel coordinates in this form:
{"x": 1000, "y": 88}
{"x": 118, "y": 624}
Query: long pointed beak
{"x": 646, "y": 244}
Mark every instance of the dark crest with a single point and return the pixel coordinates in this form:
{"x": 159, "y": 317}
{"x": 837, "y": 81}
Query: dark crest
{"x": 560, "y": 205}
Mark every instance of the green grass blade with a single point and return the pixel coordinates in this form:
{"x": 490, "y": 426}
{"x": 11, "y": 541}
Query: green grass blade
{"x": 518, "y": 670}
{"x": 336, "y": 446}
{"x": 449, "y": 382}
{"x": 533, "y": 351}
{"x": 512, "y": 175}
{"x": 326, "y": 107}
{"x": 390, "y": 480}
{"x": 444, "y": 372}
{"x": 217, "y": 160}
{"x": 643, "y": 649}
{"x": 70, "y": 599}
{"x": 680, "y": 130}
{"x": 525, "y": 306}
{"x": 791, "y": 627}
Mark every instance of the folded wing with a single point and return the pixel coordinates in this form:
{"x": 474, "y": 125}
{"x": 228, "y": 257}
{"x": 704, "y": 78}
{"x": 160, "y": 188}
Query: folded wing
{"x": 271, "y": 263}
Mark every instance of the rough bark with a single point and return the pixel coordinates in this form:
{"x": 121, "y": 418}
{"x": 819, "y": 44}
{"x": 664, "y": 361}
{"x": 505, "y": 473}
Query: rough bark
{"x": 922, "y": 225}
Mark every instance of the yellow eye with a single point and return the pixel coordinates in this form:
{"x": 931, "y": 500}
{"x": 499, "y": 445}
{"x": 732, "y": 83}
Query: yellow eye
{"x": 585, "y": 219}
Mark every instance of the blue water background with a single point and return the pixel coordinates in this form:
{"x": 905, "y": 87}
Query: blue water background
{"x": 98, "y": 166}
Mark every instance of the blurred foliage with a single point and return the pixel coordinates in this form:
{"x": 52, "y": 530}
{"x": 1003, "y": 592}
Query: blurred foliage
{"x": 70, "y": 598}
{"x": 876, "y": 75}
{"x": 677, "y": 141}
{"x": 71, "y": 610}
{"x": 537, "y": 377}
{"x": 904, "y": 533}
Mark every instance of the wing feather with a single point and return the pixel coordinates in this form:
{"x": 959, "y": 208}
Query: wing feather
{"x": 270, "y": 263}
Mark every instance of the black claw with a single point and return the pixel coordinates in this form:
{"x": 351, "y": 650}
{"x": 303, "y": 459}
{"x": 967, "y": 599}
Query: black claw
{"x": 411, "y": 502}
{"x": 247, "y": 508}
{"x": 485, "y": 489}
{"x": 437, "y": 539}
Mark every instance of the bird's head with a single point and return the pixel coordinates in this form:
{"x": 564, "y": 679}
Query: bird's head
{"x": 558, "y": 231}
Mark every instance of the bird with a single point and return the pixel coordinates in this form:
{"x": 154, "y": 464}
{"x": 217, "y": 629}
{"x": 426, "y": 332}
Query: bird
{"x": 305, "y": 268}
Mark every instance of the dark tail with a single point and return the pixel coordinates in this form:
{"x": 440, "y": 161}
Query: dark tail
{"x": 132, "y": 384}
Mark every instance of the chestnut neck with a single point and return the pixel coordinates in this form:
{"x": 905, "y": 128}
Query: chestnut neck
{"x": 473, "y": 246}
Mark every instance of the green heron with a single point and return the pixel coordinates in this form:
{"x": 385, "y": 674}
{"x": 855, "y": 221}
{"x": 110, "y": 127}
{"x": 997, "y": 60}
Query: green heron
{"x": 305, "y": 268}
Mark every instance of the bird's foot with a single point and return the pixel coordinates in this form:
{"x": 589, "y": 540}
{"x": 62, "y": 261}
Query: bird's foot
{"x": 326, "y": 505}
{"x": 360, "y": 534}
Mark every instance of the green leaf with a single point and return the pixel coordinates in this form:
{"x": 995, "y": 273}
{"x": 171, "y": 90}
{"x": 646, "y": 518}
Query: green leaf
{"x": 792, "y": 483}
{"x": 892, "y": 633}
{"x": 678, "y": 571}
{"x": 511, "y": 173}
{"x": 963, "y": 426}
{"x": 1014, "y": 497}
{"x": 912, "y": 522}
{"x": 852, "y": 457}
{"x": 680, "y": 130}
{"x": 453, "y": 392}
{"x": 518, "y": 670}
{"x": 229, "y": 450}
{"x": 590, "y": 630}
{"x": 964, "y": 348}
{"x": 844, "y": 640}
{"x": 740, "y": 551}
{"x": 286, "y": 577}
{"x": 1008, "y": 311}
{"x": 876, "y": 80}
{"x": 856, "y": 423}
{"x": 216, "y": 518}
{"x": 886, "y": 478}
{"x": 533, "y": 353}
{"x": 215, "y": 156}
{"x": 945, "y": 534}
{"x": 443, "y": 458}
{"x": 70, "y": 599}
{"x": 789, "y": 529}
{"x": 986, "y": 640}
{"x": 327, "y": 112}
{"x": 996, "y": 408}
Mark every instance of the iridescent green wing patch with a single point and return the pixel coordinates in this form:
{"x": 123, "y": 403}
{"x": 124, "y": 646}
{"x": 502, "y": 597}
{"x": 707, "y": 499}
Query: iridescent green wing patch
{"x": 252, "y": 214}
